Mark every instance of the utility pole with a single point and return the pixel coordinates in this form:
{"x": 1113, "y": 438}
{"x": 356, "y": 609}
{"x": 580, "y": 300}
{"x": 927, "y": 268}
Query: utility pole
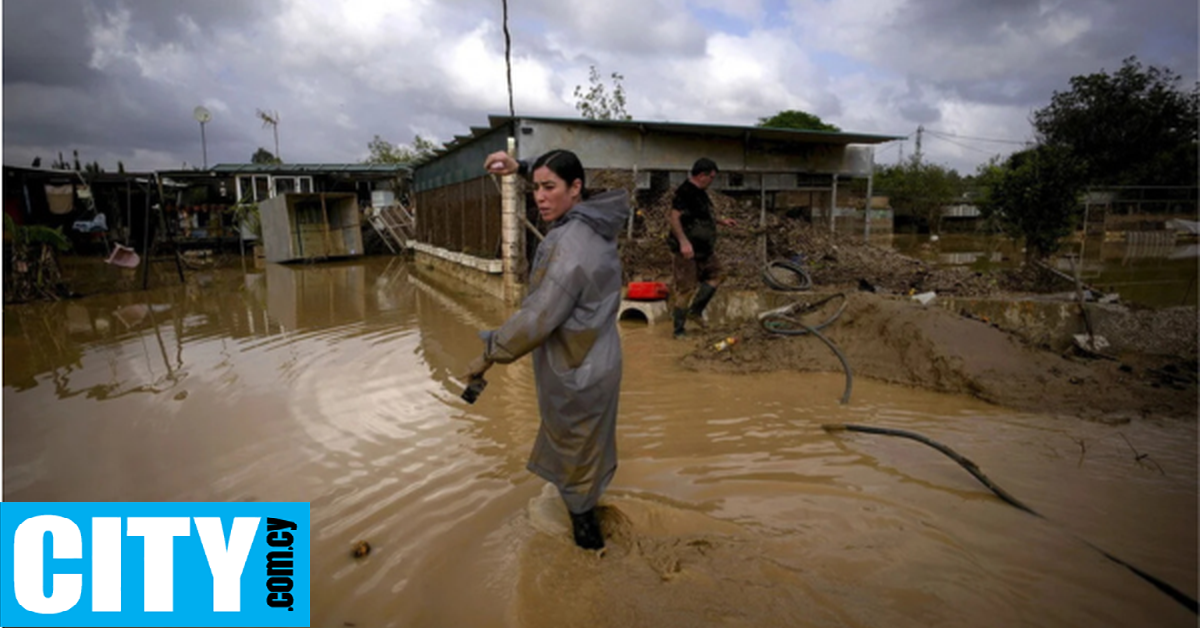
{"x": 920, "y": 130}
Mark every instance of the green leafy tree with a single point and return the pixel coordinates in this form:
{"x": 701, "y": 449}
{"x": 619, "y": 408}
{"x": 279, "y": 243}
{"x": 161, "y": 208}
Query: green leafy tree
{"x": 597, "y": 103}
{"x": 264, "y": 156}
{"x": 384, "y": 152}
{"x": 1135, "y": 126}
{"x": 792, "y": 119}
{"x": 921, "y": 188}
{"x": 32, "y": 271}
{"x": 1034, "y": 195}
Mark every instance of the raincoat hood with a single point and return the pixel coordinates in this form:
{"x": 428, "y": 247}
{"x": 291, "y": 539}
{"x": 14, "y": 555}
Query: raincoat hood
{"x": 605, "y": 213}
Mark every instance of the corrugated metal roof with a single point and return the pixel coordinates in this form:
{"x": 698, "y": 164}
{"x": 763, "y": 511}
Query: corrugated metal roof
{"x": 724, "y": 130}
{"x": 719, "y": 130}
{"x": 310, "y": 168}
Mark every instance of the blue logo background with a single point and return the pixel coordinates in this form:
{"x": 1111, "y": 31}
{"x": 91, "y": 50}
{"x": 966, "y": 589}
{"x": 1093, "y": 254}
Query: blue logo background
{"x": 193, "y": 586}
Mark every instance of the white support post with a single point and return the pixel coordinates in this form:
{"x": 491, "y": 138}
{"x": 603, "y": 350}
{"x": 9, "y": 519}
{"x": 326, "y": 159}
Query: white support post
{"x": 833, "y": 205}
{"x": 762, "y": 217}
{"x": 867, "y": 205}
{"x": 511, "y": 247}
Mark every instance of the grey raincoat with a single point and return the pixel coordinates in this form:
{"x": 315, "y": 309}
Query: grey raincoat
{"x": 569, "y": 322}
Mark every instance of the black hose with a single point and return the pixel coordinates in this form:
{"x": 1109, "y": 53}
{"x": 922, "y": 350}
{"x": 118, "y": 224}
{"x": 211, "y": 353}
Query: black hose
{"x": 781, "y": 321}
{"x": 805, "y": 280}
{"x": 774, "y": 320}
{"x": 1177, "y": 595}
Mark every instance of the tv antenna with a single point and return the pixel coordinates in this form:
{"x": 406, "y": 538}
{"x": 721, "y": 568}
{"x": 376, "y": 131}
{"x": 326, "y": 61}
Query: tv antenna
{"x": 202, "y": 116}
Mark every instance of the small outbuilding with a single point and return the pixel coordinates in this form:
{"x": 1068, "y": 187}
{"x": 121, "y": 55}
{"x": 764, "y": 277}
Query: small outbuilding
{"x": 312, "y": 226}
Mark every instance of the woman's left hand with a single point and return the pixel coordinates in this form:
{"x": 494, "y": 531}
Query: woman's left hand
{"x": 501, "y": 162}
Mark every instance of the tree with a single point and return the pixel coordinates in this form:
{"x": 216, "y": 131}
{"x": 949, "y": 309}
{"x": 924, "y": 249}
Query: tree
{"x": 793, "y": 119}
{"x": 1034, "y": 195}
{"x": 264, "y": 156}
{"x": 32, "y": 272}
{"x": 597, "y": 103}
{"x": 384, "y": 152}
{"x": 1134, "y": 126}
{"x": 920, "y": 187}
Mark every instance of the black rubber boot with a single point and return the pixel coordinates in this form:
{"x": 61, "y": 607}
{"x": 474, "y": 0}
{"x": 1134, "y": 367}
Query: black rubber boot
{"x": 587, "y": 530}
{"x": 703, "y": 296}
{"x": 679, "y": 317}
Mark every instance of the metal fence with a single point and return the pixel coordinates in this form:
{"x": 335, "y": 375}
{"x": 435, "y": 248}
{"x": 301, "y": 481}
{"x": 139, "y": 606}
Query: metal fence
{"x": 462, "y": 217}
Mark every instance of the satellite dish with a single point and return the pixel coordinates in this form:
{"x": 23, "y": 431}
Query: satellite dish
{"x": 202, "y": 115}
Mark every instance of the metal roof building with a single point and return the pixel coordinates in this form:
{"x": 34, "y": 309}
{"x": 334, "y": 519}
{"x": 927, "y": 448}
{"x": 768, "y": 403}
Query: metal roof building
{"x": 466, "y": 220}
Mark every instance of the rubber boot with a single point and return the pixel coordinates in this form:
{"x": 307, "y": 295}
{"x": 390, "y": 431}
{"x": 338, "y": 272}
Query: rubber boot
{"x": 587, "y": 530}
{"x": 679, "y": 317}
{"x": 703, "y": 296}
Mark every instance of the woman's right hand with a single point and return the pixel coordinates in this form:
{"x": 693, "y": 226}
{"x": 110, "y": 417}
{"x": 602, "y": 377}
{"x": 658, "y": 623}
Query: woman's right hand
{"x": 500, "y": 162}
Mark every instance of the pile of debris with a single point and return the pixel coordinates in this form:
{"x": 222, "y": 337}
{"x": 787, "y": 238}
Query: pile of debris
{"x": 832, "y": 259}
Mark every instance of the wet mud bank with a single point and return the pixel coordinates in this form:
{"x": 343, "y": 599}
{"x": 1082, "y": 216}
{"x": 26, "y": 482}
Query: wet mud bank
{"x": 896, "y": 340}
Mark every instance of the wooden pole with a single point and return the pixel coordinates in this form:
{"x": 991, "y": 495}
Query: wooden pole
{"x": 162, "y": 224}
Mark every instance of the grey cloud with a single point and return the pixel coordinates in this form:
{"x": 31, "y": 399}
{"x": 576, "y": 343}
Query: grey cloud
{"x": 623, "y": 26}
{"x": 1161, "y": 31}
{"x": 156, "y": 22}
{"x": 44, "y": 46}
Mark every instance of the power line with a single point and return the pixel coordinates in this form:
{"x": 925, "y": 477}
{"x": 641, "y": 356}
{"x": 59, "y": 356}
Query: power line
{"x": 977, "y": 139}
{"x": 964, "y": 146}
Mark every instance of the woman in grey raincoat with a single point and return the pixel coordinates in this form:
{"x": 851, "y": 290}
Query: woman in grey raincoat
{"x": 569, "y": 322}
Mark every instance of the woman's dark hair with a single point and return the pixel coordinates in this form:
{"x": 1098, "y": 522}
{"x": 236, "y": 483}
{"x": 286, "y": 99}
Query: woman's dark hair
{"x": 565, "y": 164}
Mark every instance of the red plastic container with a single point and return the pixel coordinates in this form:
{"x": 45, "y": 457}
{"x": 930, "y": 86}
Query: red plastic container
{"x": 647, "y": 291}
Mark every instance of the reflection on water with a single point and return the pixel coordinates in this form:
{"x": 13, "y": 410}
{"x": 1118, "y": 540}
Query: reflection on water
{"x": 1151, "y": 268}
{"x": 336, "y": 385}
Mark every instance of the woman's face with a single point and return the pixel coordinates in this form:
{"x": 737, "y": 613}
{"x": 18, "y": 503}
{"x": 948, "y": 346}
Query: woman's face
{"x": 552, "y": 195}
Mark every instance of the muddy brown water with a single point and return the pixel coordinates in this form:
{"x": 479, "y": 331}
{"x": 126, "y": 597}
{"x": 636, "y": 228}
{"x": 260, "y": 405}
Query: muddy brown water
{"x": 1145, "y": 269}
{"x": 335, "y": 385}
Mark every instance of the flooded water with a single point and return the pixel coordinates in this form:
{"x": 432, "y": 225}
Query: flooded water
{"x": 1148, "y": 268}
{"x": 335, "y": 385}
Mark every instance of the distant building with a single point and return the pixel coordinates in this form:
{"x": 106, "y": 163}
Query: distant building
{"x": 458, "y": 206}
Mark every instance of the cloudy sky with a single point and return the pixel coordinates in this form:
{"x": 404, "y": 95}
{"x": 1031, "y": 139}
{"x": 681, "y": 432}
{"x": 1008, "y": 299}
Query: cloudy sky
{"x": 119, "y": 79}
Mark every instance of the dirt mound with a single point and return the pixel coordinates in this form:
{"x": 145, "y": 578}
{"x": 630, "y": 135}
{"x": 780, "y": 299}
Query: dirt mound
{"x": 833, "y": 260}
{"x": 899, "y": 341}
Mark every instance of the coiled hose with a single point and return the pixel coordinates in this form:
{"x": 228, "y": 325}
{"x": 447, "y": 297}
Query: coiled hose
{"x": 1175, "y": 594}
{"x": 804, "y": 283}
{"x": 784, "y": 321}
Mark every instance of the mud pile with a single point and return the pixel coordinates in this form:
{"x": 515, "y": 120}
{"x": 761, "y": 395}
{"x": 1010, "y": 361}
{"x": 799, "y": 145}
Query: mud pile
{"x": 899, "y": 341}
{"x": 834, "y": 260}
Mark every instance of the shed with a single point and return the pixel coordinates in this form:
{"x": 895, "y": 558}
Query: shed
{"x": 311, "y": 226}
{"x": 467, "y": 218}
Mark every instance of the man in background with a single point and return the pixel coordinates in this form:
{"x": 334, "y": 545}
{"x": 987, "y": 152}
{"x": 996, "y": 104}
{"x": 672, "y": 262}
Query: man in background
{"x": 696, "y": 270}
